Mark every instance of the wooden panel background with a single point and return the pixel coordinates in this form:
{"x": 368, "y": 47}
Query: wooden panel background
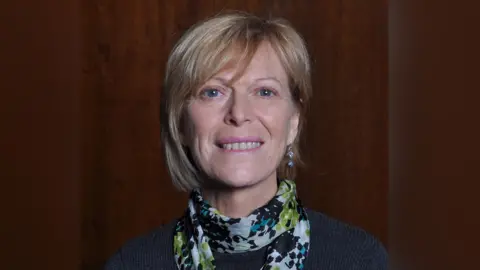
{"x": 126, "y": 190}
{"x": 40, "y": 83}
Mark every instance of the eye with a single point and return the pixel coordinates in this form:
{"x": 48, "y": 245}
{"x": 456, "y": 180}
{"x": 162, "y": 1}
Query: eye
{"x": 210, "y": 93}
{"x": 264, "y": 92}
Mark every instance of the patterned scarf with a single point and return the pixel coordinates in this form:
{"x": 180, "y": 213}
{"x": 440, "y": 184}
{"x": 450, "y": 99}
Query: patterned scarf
{"x": 282, "y": 225}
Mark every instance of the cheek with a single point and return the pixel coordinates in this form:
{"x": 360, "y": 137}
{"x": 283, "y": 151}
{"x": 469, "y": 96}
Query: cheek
{"x": 200, "y": 123}
{"x": 277, "y": 121}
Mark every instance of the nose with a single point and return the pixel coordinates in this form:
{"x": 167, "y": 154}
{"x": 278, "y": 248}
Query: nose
{"x": 239, "y": 110}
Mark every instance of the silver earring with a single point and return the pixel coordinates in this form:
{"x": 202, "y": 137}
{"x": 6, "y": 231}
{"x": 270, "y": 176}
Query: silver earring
{"x": 290, "y": 157}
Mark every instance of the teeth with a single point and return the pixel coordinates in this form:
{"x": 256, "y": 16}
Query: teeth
{"x": 240, "y": 146}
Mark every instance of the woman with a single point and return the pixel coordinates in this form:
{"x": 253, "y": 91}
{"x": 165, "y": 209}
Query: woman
{"x": 234, "y": 100}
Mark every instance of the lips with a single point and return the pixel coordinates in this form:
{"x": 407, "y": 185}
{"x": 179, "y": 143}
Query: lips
{"x": 239, "y": 144}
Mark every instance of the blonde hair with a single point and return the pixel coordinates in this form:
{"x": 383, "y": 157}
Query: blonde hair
{"x": 202, "y": 52}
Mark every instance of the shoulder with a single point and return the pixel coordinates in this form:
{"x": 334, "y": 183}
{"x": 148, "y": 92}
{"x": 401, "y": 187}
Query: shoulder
{"x": 337, "y": 245}
{"x": 153, "y": 250}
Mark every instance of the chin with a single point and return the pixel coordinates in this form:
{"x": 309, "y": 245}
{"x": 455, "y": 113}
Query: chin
{"x": 239, "y": 179}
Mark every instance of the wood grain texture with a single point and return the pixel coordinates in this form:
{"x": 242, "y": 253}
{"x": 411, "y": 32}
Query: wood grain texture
{"x": 40, "y": 138}
{"x": 126, "y": 190}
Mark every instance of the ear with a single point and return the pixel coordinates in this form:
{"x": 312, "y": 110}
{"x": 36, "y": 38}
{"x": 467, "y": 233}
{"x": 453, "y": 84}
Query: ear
{"x": 183, "y": 140}
{"x": 293, "y": 128}
{"x": 184, "y": 130}
{"x": 185, "y": 135}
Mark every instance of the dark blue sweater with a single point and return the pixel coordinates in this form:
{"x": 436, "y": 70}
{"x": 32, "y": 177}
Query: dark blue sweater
{"x": 334, "y": 246}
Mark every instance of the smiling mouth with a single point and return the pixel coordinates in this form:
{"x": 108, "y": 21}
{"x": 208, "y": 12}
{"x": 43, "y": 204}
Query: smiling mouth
{"x": 240, "y": 146}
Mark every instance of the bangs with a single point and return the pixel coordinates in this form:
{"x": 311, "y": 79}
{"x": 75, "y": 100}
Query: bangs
{"x": 234, "y": 50}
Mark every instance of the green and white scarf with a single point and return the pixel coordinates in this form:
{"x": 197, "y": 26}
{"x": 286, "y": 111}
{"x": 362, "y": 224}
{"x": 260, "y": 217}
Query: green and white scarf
{"x": 282, "y": 225}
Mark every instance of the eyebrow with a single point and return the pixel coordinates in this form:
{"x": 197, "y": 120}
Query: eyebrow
{"x": 270, "y": 78}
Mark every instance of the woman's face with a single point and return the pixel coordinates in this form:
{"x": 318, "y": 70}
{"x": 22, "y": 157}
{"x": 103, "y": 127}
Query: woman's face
{"x": 238, "y": 133}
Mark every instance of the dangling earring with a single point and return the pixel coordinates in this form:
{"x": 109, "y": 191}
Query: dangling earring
{"x": 290, "y": 157}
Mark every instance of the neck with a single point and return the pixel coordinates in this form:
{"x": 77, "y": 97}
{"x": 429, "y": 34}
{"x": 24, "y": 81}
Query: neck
{"x": 240, "y": 202}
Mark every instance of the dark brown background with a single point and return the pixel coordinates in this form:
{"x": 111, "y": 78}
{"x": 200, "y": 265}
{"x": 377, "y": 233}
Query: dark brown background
{"x": 82, "y": 130}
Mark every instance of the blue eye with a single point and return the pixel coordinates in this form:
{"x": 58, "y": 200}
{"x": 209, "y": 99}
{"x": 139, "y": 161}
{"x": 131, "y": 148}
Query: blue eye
{"x": 264, "y": 92}
{"x": 210, "y": 93}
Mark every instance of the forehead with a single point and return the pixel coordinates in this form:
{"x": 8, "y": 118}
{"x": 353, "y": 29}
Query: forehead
{"x": 264, "y": 62}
